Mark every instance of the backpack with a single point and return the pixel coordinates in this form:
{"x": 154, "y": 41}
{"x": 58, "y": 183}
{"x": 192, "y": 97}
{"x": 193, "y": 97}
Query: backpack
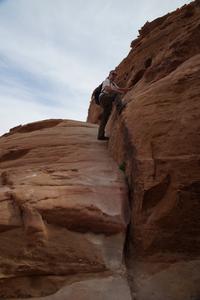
{"x": 96, "y": 93}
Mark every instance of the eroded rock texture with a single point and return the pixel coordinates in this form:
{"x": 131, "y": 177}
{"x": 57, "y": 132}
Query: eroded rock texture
{"x": 156, "y": 140}
{"x": 64, "y": 212}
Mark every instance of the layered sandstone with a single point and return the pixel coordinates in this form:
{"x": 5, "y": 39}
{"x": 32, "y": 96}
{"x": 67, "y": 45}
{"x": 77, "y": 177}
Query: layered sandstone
{"x": 64, "y": 212}
{"x": 156, "y": 140}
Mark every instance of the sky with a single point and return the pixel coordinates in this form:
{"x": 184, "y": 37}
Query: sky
{"x": 54, "y": 53}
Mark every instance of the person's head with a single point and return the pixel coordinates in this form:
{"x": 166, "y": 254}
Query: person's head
{"x": 112, "y": 74}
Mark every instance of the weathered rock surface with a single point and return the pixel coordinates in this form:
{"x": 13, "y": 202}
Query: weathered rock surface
{"x": 178, "y": 281}
{"x": 64, "y": 212}
{"x": 110, "y": 288}
{"x": 157, "y": 141}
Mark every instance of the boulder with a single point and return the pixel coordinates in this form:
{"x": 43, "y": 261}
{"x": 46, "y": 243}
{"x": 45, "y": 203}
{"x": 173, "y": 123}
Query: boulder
{"x": 64, "y": 207}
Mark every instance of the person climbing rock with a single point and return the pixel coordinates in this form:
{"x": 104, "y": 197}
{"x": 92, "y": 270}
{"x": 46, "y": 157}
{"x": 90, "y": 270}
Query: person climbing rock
{"x": 110, "y": 93}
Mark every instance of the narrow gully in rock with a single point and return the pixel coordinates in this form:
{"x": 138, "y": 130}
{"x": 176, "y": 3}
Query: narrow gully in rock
{"x": 126, "y": 251}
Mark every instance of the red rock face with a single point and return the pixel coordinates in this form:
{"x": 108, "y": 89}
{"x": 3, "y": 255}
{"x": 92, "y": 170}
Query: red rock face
{"x": 94, "y": 113}
{"x": 157, "y": 140}
{"x": 64, "y": 211}
{"x": 161, "y": 47}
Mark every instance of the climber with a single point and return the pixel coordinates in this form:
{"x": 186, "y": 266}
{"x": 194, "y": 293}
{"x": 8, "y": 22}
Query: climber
{"x": 110, "y": 93}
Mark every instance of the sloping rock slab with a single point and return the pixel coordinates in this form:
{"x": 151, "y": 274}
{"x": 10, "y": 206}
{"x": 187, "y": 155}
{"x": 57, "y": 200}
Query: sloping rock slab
{"x": 63, "y": 203}
{"x": 110, "y": 288}
{"x": 179, "y": 281}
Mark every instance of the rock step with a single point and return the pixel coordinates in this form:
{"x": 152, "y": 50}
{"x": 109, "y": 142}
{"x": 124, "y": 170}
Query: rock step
{"x": 65, "y": 211}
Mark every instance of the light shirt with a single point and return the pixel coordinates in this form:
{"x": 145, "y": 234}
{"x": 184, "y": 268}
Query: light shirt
{"x": 108, "y": 82}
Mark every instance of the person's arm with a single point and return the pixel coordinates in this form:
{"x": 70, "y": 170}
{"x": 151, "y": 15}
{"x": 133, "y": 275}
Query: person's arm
{"x": 113, "y": 87}
{"x": 117, "y": 89}
{"x": 109, "y": 88}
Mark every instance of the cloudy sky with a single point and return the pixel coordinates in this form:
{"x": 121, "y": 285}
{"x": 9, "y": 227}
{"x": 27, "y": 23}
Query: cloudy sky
{"x": 54, "y": 53}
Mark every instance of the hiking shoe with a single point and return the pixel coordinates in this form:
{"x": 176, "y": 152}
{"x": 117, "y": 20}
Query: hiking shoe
{"x": 103, "y": 138}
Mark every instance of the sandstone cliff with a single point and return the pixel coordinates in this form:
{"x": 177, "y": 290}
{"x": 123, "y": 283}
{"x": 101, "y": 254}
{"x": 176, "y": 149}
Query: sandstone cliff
{"x": 71, "y": 226}
{"x": 64, "y": 212}
{"x": 156, "y": 140}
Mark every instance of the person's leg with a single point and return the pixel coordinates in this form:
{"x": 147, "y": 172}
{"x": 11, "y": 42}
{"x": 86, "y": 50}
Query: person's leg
{"x": 117, "y": 99}
{"x": 106, "y": 104}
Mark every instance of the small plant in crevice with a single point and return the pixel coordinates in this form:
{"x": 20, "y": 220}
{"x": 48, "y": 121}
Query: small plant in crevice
{"x": 122, "y": 166}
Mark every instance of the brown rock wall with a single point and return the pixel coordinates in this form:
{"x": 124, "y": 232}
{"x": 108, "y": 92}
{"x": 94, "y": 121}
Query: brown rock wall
{"x": 156, "y": 141}
{"x": 159, "y": 146}
{"x": 161, "y": 47}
